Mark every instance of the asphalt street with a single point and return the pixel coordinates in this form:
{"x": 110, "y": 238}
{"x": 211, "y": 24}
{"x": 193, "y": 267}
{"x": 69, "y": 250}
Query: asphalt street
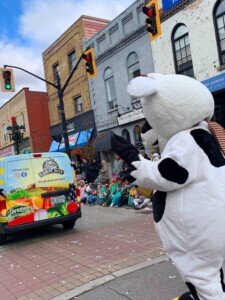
{"x": 157, "y": 282}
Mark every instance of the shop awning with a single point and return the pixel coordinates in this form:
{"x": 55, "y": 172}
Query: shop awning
{"x": 55, "y": 146}
{"x": 84, "y": 138}
{"x": 103, "y": 141}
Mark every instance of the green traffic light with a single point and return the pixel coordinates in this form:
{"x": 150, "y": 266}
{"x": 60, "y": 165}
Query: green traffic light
{"x": 8, "y": 86}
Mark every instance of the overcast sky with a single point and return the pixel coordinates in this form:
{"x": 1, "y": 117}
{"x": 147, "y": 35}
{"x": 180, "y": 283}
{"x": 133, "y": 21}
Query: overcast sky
{"x": 28, "y": 27}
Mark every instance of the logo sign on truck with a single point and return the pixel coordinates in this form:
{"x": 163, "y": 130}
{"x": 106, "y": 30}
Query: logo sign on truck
{"x": 50, "y": 166}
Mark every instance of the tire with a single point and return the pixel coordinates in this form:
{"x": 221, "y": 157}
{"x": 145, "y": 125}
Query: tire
{"x": 68, "y": 224}
{"x": 3, "y": 239}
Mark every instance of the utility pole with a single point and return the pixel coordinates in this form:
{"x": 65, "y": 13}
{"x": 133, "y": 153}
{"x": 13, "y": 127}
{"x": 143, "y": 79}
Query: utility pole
{"x": 60, "y": 96}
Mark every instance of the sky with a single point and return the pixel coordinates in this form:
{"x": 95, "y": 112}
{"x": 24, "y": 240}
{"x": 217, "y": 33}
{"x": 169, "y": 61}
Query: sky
{"x": 29, "y": 27}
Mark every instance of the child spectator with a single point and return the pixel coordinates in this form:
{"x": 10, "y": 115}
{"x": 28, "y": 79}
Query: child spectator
{"x": 83, "y": 194}
{"x": 140, "y": 201}
{"x": 132, "y": 195}
{"x": 103, "y": 194}
{"x": 115, "y": 200}
{"x": 92, "y": 194}
{"x": 125, "y": 193}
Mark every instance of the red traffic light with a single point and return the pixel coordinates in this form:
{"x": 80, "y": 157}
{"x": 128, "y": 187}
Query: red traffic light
{"x": 7, "y": 74}
{"x": 87, "y": 57}
{"x": 150, "y": 12}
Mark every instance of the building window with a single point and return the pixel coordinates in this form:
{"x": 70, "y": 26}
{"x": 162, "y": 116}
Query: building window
{"x": 78, "y": 104}
{"x": 133, "y": 66}
{"x": 22, "y": 120}
{"x": 182, "y": 51}
{"x": 126, "y": 135}
{"x": 55, "y": 71}
{"x": 5, "y": 135}
{"x": 72, "y": 60}
{"x": 219, "y": 18}
{"x": 59, "y": 113}
{"x": 110, "y": 88}
{"x": 137, "y": 134}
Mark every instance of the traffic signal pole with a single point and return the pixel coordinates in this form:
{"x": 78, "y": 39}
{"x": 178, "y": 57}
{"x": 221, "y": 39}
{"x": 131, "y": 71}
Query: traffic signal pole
{"x": 60, "y": 96}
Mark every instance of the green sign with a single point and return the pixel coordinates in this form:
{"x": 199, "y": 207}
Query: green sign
{"x": 26, "y": 151}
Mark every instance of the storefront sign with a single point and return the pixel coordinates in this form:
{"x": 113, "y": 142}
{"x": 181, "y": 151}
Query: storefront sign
{"x": 106, "y": 124}
{"x": 7, "y": 151}
{"x": 167, "y": 4}
{"x": 132, "y": 116}
{"x": 215, "y": 83}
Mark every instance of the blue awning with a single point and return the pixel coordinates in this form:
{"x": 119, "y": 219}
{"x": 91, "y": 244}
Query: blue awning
{"x": 84, "y": 138}
{"x": 55, "y": 146}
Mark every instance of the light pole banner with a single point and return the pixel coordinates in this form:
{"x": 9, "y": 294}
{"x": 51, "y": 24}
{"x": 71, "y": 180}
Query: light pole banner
{"x": 167, "y": 4}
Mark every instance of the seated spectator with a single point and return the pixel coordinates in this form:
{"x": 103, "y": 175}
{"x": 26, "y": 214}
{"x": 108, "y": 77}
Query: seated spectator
{"x": 132, "y": 195}
{"x": 115, "y": 200}
{"x": 103, "y": 193}
{"x": 92, "y": 195}
{"x": 140, "y": 202}
{"x": 89, "y": 188}
{"x": 112, "y": 191}
{"x": 125, "y": 193}
{"x": 83, "y": 194}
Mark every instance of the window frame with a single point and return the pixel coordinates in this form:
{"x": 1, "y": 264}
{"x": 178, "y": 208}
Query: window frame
{"x": 107, "y": 80}
{"x": 174, "y": 40}
{"x": 76, "y": 105}
{"x": 5, "y": 135}
{"x": 218, "y": 41}
{"x": 72, "y": 62}
{"x": 54, "y": 70}
{"x": 130, "y": 65}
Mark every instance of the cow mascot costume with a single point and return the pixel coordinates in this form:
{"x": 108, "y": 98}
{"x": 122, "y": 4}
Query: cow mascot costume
{"x": 188, "y": 180}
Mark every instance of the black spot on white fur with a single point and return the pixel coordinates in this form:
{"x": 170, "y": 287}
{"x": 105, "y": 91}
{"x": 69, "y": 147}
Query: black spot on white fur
{"x": 158, "y": 205}
{"x": 172, "y": 171}
{"x": 207, "y": 142}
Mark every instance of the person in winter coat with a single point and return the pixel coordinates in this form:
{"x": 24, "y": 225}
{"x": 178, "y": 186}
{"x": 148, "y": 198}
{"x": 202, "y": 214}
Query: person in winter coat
{"x": 103, "y": 172}
{"x": 117, "y": 166}
{"x": 93, "y": 170}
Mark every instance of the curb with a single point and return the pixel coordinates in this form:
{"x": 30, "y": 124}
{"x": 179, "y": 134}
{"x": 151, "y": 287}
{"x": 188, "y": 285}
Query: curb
{"x": 102, "y": 280}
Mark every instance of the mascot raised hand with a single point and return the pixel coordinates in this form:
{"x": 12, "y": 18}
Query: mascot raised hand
{"x": 189, "y": 179}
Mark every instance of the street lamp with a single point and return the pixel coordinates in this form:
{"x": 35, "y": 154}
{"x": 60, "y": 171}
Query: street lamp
{"x": 15, "y": 133}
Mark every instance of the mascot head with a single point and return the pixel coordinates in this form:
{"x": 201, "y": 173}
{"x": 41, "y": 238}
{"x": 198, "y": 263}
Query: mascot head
{"x": 171, "y": 103}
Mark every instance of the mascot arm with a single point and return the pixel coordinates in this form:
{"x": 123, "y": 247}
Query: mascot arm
{"x": 177, "y": 167}
{"x": 124, "y": 149}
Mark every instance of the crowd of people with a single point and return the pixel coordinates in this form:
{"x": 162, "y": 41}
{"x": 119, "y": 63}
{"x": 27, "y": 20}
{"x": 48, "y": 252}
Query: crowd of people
{"x": 96, "y": 187}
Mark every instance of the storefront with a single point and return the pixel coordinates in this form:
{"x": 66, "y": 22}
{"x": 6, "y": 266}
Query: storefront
{"x": 7, "y": 151}
{"x": 216, "y": 85}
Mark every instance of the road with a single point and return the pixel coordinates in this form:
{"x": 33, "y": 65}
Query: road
{"x": 48, "y": 263}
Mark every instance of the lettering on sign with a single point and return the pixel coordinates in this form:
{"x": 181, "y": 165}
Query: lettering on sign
{"x": 136, "y": 114}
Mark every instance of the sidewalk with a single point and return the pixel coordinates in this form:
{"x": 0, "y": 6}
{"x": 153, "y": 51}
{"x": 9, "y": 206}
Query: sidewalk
{"x": 56, "y": 264}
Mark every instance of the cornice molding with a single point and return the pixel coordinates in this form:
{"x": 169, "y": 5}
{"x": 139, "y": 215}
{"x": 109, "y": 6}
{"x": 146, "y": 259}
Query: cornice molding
{"x": 129, "y": 39}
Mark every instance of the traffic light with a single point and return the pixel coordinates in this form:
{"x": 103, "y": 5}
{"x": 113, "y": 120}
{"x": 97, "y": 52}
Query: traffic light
{"x": 153, "y": 19}
{"x": 7, "y": 80}
{"x": 90, "y": 63}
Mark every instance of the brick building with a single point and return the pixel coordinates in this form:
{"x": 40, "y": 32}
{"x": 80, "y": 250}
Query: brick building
{"x": 61, "y": 57}
{"x": 31, "y": 110}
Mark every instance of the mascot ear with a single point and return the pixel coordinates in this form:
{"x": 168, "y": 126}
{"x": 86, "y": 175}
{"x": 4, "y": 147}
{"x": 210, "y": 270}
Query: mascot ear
{"x": 124, "y": 149}
{"x": 142, "y": 87}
